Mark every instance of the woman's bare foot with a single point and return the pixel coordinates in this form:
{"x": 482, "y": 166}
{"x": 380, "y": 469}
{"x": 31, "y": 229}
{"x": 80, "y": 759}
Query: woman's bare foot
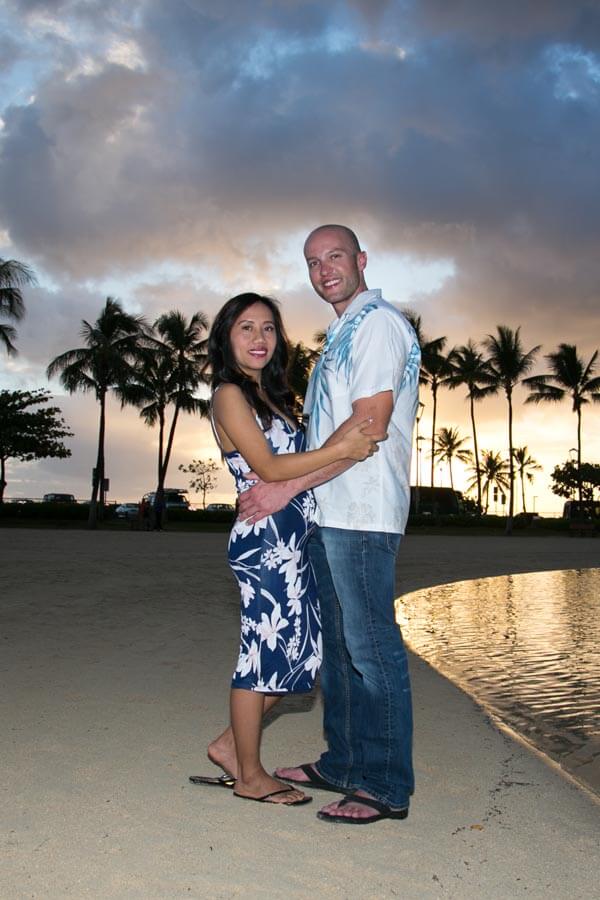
{"x": 262, "y": 784}
{"x": 222, "y": 753}
{"x": 295, "y": 773}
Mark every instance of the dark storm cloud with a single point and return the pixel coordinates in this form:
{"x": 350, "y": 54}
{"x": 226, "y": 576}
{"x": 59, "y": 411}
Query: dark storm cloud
{"x": 9, "y": 52}
{"x": 516, "y": 20}
{"x": 467, "y": 134}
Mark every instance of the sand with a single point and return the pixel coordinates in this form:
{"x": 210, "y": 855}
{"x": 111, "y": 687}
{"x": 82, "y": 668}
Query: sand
{"x": 117, "y": 650}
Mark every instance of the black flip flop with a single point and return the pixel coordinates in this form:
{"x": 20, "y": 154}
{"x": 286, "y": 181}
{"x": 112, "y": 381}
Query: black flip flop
{"x": 267, "y": 798}
{"x": 314, "y": 780}
{"x": 226, "y": 781}
{"x": 382, "y": 809}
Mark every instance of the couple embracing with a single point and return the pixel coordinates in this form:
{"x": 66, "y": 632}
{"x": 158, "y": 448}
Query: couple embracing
{"x": 315, "y": 543}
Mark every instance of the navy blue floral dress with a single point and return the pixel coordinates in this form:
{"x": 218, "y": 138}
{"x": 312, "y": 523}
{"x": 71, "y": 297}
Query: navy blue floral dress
{"x": 280, "y": 644}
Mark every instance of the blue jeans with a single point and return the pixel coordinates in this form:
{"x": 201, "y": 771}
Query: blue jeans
{"x": 364, "y": 677}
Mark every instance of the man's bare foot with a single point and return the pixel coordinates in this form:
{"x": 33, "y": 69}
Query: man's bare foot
{"x": 351, "y": 808}
{"x": 262, "y": 784}
{"x": 309, "y": 775}
{"x": 222, "y": 753}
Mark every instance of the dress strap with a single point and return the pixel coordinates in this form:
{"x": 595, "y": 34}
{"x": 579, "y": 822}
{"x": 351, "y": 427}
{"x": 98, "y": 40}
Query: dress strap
{"x": 212, "y": 421}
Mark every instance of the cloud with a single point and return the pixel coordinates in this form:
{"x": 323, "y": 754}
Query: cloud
{"x": 174, "y": 154}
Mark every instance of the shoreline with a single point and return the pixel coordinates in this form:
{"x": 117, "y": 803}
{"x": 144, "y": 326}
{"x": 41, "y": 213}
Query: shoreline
{"x": 118, "y": 652}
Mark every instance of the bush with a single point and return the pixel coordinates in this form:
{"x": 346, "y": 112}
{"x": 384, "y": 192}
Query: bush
{"x": 72, "y": 512}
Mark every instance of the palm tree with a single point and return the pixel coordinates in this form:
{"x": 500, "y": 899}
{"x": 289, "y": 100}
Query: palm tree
{"x": 508, "y": 363}
{"x": 470, "y": 368}
{"x": 493, "y": 472}
{"x": 319, "y": 337}
{"x": 435, "y": 370}
{"x": 13, "y": 276}
{"x": 149, "y": 389}
{"x": 301, "y": 362}
{"x": 102, "y": 365}
{"x": 449, "y": 446}
{"x": 526, "y": 466}
{"x": 570, "y": 376}
{"x": 183, "y": 345}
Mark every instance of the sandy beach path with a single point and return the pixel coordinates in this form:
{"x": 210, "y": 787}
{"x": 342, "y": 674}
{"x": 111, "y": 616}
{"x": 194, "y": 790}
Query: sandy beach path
{"x": 116, "y": 655}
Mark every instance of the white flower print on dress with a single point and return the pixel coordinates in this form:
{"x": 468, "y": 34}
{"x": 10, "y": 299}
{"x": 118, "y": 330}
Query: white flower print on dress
{"x": 242, "y": 528}
{"x": 279, "y": 437}
{"x": 313, "y": 663}
{"x": 271, "y": 686}
{"x": 248, "y": 662}
{"x": 295, "y": 592}
{"x": 269, "y": 627}
{"x": 248, "y": 593}
{"x": 290, "y": 557}
{"x": 248, "y": 625}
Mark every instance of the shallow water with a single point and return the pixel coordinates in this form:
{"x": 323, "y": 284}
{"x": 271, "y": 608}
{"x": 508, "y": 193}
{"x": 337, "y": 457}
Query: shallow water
{"x": 526, "y": 646}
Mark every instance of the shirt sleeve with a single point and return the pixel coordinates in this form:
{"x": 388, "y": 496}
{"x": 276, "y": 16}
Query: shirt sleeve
{"x": 380, "y": 352}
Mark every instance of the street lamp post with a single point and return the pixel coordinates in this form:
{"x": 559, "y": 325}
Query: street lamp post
{"x": 420, "y": 408}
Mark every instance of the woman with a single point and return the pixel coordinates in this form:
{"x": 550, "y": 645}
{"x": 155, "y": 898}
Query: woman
{"x": 255, "y": 427}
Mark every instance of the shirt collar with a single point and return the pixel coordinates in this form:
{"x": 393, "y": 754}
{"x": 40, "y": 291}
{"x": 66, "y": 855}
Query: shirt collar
{"x": 355, "y": 307}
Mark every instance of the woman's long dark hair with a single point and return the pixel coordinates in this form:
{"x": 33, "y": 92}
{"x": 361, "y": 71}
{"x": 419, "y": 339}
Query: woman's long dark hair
{"x": 224, "y": 368}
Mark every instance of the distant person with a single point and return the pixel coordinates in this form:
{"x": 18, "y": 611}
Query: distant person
{"x": 144, "y": 514}
{"x": 158, "y": 512}
{"x": 280, "y": 642}
{"x": 369, "y": 367}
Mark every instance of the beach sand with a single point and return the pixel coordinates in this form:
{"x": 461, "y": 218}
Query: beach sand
{"x": 117, "y": 652}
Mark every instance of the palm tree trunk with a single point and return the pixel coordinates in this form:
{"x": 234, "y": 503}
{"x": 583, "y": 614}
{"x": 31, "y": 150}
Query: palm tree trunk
{"x": 165, "y": 465}
{"x": 159, "y": 504}
{"x": 511, "y": 467}
{"x": 522, "y": 474}
{"x": 477, "y": 472}
{"x": 450, "y": 468}
{"x": 98, "y": 475}
{"x": 579, "y": 484}
{"x": 161, "y": 440}
{"x": 434, "y": 393}
{"x": 2, "y": 477}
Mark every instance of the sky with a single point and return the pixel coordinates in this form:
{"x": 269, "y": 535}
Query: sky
{"x": 172, "y": 153}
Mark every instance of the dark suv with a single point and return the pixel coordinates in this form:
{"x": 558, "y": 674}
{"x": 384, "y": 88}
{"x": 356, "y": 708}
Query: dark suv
{"x": 174, "y": 499}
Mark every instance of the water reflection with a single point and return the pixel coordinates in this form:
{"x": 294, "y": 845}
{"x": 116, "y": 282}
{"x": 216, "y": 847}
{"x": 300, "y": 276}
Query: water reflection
{"x": 526, "y": 645}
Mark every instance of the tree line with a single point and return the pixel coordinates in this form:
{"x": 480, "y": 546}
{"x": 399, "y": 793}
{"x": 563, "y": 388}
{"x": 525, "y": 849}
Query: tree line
{"x": 159, "y": 367}
{"x": 498, "y": 364}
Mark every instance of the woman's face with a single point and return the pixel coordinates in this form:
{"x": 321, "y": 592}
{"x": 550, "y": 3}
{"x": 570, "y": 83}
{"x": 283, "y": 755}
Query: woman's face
{"x": 253, "y": 339}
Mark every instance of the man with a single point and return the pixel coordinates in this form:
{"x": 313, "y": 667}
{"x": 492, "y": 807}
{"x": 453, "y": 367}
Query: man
{"x": 369, "y": 368}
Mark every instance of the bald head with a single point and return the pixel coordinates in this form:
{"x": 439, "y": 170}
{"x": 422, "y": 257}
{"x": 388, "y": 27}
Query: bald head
{"x": 342, "y": 230}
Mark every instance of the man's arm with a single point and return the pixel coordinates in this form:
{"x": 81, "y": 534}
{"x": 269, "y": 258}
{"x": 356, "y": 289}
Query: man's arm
{"x": 265, "y": 499}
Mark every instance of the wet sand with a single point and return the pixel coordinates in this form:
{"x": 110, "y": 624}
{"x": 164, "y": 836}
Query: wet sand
{"x": 117, "y": 650}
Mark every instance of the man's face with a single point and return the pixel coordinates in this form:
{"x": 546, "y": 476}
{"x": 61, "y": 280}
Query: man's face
{"x": 335, "y": 268}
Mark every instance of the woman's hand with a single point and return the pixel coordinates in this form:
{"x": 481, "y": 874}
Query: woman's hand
{"x": 355, "y": 444}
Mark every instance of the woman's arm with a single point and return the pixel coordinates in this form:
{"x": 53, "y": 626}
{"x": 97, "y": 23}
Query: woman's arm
{"x": 265, "y": 499}
{"x": 237, "y": 427}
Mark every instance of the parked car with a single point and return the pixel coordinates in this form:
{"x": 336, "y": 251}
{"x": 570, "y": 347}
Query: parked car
{"x": 436, "y": 501}
{"x": 174, "y": 498}
{"x": 220, "y": 507}
{"x": 58, "y": 498}
{"x": 127, "y": 511}
{"x": 589, "y": 509}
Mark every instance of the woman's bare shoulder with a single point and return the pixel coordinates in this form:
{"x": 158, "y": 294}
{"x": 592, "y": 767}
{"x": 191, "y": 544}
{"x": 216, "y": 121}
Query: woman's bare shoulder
{"x": 226, "y": 394}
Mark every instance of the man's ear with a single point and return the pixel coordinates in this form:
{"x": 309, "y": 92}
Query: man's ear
{"x": 361, "y": 260}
